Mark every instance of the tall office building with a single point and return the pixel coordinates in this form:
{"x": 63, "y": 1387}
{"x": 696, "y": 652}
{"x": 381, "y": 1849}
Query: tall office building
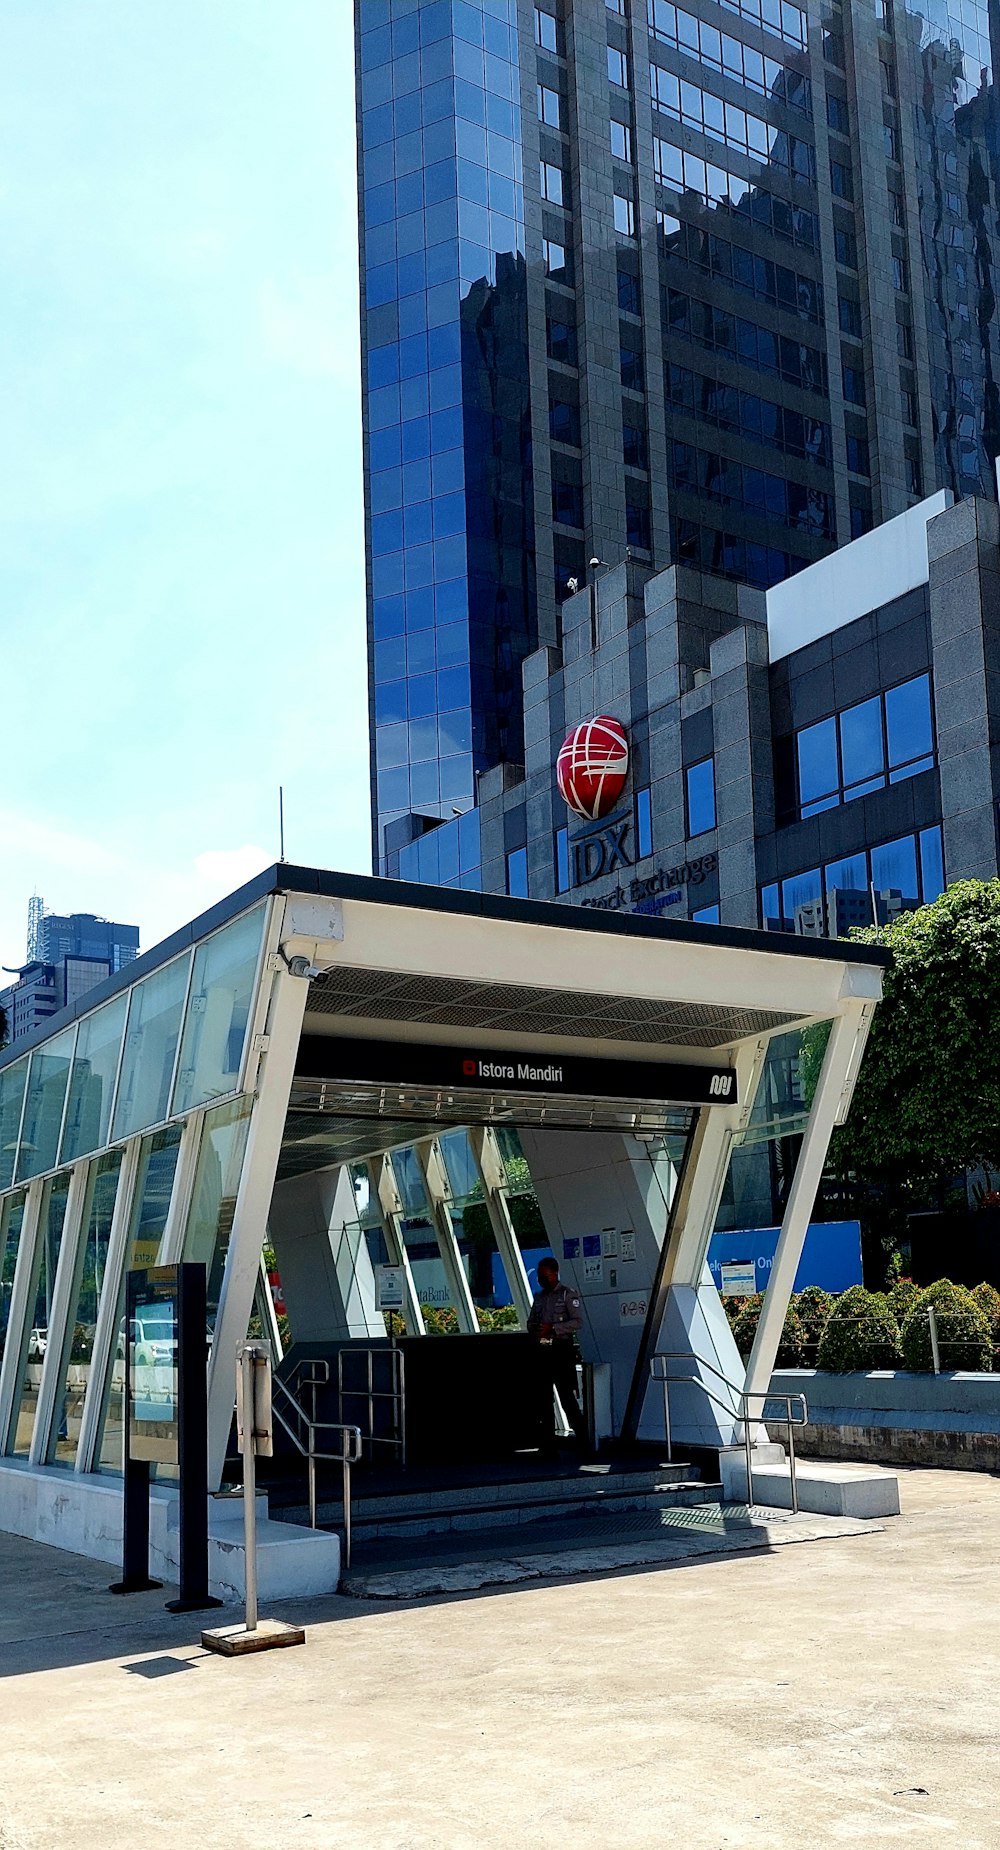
{"x": 67, "y": 955}
{"x": 709, "y": 284}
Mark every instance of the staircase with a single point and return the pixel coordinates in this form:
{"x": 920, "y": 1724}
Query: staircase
{"x": 442, "y": 1526}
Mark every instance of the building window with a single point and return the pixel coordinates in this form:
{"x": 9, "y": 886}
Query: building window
{"x": 854, "y": 385}
{"x": 551, "y": 180}
{"x": 850, "y": 316}
{"x": 624, "y": 216}
{"x": 709, "y": 915}
{"x": 517, "y": 874}
{"x": 618, "y": 67}
{"x": 621, "y": 141}
{"x": 828, "y": 901}
{"x": 836, "y": 114}
{"x": 889, "y": 737}
{"x": 546, "y": 30}
{"x": 700, "y": 790}
{"x": 633, "y": 445}
{"x": 643, "y": 824}
{"x": 841, "y": 181}
{"x": 631, "y": 369}
{"x": 846, "y": 247}
{"x": 857, "y": 455}
{"x": 561, "y": 341}
{"x": 564, "y": 422}
{"x": 563, "y": 881}
{"x": 628, "y": 293}
{"x": 549, "y": 107}
{"x": 554, "y": 259}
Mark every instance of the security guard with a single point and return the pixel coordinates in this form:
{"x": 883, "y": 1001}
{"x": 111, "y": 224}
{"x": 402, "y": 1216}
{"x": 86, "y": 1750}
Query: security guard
{"x": 555, "y": 1317}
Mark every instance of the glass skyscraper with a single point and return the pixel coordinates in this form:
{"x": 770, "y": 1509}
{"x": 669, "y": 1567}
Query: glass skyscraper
{"x": 710, "y": 283}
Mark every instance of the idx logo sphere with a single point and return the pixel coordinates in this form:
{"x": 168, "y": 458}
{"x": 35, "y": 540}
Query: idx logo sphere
{"x": 592, "y": 766}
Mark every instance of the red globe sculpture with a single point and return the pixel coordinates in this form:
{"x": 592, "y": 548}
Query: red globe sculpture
{"x": 592, "y": 766}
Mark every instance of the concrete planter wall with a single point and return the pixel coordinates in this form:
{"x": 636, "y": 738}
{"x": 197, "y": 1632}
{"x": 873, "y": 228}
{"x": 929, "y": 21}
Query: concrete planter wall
{"x": 889, "y": 1416}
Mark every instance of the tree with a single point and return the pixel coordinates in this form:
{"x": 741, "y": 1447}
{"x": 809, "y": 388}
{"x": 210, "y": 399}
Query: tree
{"x": 927, "y": 1101}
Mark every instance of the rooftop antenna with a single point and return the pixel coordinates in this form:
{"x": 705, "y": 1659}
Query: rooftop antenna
{"x": 36, "y": 913}
{"x": 281, "y": 820}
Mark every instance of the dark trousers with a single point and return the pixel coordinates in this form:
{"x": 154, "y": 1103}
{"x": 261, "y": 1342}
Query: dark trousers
{"x": 557, "y": 1369}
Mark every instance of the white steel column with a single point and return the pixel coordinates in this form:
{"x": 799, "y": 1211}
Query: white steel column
{"x": 704, "y": 1173}
{"x": 438, "y": 1189}
{"x": 63, "y": 1293}
{"x": 289, "y": 995}
{"x": 185, "y": 1170}
{"x": 22, "y": 1290}
{"x": 840, "y": 1062}
{"x": 382, "y": 1181}
{"x": 106, "y": 1331}
{"x": 483, "y": 1145}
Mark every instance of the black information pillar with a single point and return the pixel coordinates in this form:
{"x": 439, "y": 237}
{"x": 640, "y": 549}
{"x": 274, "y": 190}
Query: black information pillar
{"x": 166, "y": 1422}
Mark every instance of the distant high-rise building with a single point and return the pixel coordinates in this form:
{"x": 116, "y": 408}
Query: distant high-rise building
{"x": 67, "y": 956}
{"x": 711, "y": 283}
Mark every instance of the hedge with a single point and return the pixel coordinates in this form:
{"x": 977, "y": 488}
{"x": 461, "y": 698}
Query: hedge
{"x": 965, "y": 1339}
{"x": 860, "y": 1333}
{"x": 988, "y": 1300}
{"x": 745, "y": 1329}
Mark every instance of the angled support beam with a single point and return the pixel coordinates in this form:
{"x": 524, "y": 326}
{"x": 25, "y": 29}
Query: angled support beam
{"x": 390, "y": 1207}
{"x": 830, "y": 1106}
{"x": 438, "y": 1190}
{"x": 483, "y": 1145}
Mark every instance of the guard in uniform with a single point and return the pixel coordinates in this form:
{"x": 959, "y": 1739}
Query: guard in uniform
{"x": 554, "y": 1320}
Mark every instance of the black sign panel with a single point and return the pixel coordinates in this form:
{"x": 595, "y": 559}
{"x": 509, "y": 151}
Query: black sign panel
{"x": 480, "y": 1069}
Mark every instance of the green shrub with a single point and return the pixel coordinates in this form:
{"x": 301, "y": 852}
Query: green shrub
{"x": 745, "y": 1329}
{"x": 813, "y": 1308}
{"x": 988, "y": 1300}
{"x": 902, "y": 1298}
{"x": 860, "y": 1333}
{"x": 964, "y": 1336}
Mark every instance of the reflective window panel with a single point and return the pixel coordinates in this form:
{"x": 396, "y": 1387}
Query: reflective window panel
{"x": 11, "y": 1221}
{"x": 12, "y": 1080}
{"x": 151, "y": 1202}
{"x": 218, "y": 1008}
{"x": 213, "y": 1204}
{"x": 78, "y": 1339}
{"x": 43, "y": 1106}
{"x": 45, "y": 1260}
{"x": 92, "y": 1083}
{"x": 154, "y": 1021}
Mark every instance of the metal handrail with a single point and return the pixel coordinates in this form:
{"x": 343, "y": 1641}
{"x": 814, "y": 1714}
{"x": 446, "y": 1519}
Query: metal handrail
{"x": 741, "y": 1414}
{"x": 349, "y": 1454}
{"x": 396, "y": 1393}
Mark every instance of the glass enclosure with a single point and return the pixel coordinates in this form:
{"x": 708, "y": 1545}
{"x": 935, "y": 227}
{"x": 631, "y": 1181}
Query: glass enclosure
{"x": 151, "y": 1204}
{"x": 92, "y": 1085}
{"x": 48, "y": 1241}
{"x": 154, "y": 1021}
{"x": 213, "y": 1204}
{"x": 11, "y": 1220}
{"x": 215, "y": 1026}
{"x": 78, "y": 1337}
{"x": 43, "y": 1106}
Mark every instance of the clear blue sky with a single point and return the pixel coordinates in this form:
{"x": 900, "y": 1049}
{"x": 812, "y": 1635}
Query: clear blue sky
{"x": 181, "y": 542}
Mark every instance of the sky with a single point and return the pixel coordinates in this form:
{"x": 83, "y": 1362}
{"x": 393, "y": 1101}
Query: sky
{"x": 181, "y": 530}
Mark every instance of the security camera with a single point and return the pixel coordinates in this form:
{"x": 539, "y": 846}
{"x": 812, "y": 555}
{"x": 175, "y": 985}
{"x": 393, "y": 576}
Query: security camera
{"x": 300, "y": 966}
{"x": 594, "y": 563}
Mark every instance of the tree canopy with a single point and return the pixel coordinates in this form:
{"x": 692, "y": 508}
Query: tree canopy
{"x": 927, "y": 1100}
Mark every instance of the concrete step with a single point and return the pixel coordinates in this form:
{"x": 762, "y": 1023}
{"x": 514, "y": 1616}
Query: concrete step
{"x": 438, "y": 1510}
{"x": 823, "y": 1489}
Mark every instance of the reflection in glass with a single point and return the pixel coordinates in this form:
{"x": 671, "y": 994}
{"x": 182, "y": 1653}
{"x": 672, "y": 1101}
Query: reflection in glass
{"x": 908, "y": 721}
{"x": 931, "y": 865}
{"x": 43, "y": 1106}
{"x": 213, "y": 1204}
{"x": 154, "y": 1021}
{"x": 894, "y": 868}
{"x": 861, "y": 746}
{"x": 150, "y": 1205}
{"x": 818, "y": 775}
{"x": 217, "y": 1011}
{"x": 11, "y": 1222}
{"x": 11, "y": 1100}
{"x": 91, "y": 1087}
{"x": 78, "y": 1339}
{"x": 45, "y": 1261}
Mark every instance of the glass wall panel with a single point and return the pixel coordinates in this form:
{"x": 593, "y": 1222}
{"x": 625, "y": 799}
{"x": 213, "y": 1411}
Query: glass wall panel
{"x": 43, "y": 1106}
{"x": 151, "y": 1202}
{"x": 154, "y": 1021}
{"x": 78, "y": 1340}
{"x": 92, "y": 1083}
{"x": 11, "y": 1222}
{"x": 213, "y": 1204}
{"x": 215, "y": 1021}
{"x": 11, "y": 1099}
{"x": 894, "y": 868}
{"x": 46, "y": 1258}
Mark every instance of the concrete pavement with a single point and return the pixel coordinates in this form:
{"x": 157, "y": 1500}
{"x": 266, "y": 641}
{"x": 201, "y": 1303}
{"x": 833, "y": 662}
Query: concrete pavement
{"x": 840, "y": 1693}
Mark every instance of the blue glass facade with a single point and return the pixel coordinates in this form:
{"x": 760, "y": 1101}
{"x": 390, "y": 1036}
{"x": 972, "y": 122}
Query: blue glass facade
{"x": 451, "y": 573}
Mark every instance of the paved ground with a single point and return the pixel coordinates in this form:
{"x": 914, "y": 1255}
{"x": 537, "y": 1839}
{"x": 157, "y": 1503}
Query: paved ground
{"x": 839, "y": 1694}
